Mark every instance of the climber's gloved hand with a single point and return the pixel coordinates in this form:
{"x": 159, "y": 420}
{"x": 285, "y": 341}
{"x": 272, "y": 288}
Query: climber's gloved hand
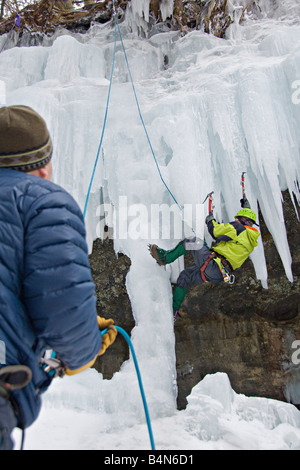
{"x": 209, "y": 217}
{"x": 107, "y": 340}
{"x": 109, "y": 337}
{"x": 245, "y": 203}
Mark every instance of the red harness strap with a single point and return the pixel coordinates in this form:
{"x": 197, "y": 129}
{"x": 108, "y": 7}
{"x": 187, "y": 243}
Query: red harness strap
{"x": 211, "y": 256}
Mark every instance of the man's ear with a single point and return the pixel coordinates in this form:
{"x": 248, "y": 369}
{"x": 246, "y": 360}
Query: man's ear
{"x": 44, "y": 173}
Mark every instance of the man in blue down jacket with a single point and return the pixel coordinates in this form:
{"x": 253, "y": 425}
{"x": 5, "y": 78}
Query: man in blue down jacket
{"x": 47, "y": 296}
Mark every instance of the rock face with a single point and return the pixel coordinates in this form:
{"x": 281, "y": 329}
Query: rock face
{"x": 109, "y": 273}
{"x": 241, "y": 329}
{"x": 45, "y": 16}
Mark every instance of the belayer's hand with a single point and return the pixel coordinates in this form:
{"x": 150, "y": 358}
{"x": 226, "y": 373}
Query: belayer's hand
{"x": 107, "y": 340}
{"x": 109, "y": 337}
{"x": 209, "y": 218}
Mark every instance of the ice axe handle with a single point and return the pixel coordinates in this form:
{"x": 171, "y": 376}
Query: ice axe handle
{"x": 210, "y": 201}
{"x": 210, "y": 204}
{"x": 243, "y": 185}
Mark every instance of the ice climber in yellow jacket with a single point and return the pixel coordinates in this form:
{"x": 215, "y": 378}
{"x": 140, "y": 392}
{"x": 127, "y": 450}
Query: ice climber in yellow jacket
{"x": 234, "y": 242}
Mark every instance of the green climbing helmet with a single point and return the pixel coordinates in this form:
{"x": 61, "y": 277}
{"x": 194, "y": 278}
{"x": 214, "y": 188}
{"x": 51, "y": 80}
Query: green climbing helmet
{"x": 245, "y": 212}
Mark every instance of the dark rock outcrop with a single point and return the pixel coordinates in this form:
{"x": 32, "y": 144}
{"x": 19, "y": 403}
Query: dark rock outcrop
{"x": 109, "y": 273}
{"x": 45, "y": 16}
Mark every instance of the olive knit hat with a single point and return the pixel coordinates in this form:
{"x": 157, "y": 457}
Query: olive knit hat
{"x": 25, "y": 143}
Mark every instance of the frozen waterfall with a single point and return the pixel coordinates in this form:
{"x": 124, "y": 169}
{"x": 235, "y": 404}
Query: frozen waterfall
{"x": 213, "y": 108}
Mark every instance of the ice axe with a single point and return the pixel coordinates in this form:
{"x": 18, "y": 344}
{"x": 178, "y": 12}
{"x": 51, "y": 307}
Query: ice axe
{"x": 243, "y": 189}
{"x": 243, "y": 185}
{"x": 210, "y": 201}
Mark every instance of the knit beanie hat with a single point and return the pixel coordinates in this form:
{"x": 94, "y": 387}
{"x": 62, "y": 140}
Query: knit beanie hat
{"x": 25, "y": 143}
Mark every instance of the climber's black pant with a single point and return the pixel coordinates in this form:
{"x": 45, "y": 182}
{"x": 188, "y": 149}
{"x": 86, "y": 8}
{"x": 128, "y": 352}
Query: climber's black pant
{"x": 192, "y": 275}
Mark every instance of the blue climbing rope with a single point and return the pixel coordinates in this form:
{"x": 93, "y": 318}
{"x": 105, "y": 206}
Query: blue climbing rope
{"x": 117, "y": 27}
{"x": 104, "y": 124}
{"x": 127, "y": 338}
{"x": 146, "y": 132}
{"x": 143, "y": 123}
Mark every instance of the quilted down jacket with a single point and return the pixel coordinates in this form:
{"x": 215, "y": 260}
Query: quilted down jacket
{"x": 47, "y": 296}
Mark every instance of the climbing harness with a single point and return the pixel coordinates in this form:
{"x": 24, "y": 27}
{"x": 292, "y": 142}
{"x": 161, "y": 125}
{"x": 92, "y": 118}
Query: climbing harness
{"x": 225, "y": 268}
{"x": 227, "y": 276}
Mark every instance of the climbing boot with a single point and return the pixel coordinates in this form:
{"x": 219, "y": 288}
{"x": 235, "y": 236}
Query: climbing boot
{"x": 158, "y": 254}
{"x": 164, "y": 257}
{"x": 178, "y": 298}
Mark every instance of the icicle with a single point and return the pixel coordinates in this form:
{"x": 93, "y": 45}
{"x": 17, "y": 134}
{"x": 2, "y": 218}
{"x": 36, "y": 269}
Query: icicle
{"x": 141, "y": 8}
{"x": 166, "y": 8}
